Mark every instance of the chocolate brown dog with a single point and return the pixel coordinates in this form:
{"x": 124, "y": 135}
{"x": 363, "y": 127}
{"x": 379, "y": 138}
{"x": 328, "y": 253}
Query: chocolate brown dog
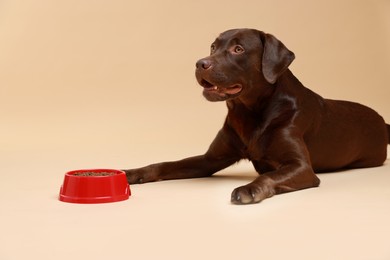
{"x": 285, "y": 129}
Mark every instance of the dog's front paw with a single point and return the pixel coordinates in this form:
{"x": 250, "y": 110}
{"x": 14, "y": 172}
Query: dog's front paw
{"x": 251, "y": 193}
{"x": 140, "y": 175}
{"x": 134, "y": 176}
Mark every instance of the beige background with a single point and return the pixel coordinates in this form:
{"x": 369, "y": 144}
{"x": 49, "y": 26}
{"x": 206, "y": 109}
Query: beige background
{"x": 87, "y": 84}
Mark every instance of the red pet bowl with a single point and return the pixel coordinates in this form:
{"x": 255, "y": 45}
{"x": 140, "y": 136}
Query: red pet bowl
{"x": 94, "y": 186}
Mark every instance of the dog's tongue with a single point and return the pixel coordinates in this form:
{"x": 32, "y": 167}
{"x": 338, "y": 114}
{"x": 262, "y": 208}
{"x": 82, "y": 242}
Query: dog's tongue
{"x": 233, "y": 90}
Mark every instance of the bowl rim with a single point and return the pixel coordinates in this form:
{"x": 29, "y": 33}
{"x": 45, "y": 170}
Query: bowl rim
{"x": 116, "y": 172}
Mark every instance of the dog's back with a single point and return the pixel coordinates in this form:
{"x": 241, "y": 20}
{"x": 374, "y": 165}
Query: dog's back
{"x": 338, "y": 134}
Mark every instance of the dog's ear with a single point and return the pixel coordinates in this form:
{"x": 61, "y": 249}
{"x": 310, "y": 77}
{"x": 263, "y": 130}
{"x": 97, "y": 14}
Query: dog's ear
{"x": 276, "y": 57}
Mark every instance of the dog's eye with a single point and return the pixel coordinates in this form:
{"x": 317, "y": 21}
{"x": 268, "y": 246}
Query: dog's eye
{"x": 238, "y": 49}
{"x": 212, "y": 48}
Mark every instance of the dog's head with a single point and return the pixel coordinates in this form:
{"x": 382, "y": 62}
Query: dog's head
{"x": 241, "y": 60}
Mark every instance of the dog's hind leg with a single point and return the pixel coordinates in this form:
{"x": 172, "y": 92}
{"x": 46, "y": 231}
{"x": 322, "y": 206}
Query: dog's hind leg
{"x": 388, "y": 133}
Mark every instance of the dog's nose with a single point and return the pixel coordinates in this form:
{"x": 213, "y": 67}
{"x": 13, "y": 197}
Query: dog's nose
{"x": 203, "y": 64}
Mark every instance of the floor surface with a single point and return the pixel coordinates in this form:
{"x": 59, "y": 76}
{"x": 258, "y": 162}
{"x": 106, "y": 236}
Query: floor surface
{"x": 347, "y": 217}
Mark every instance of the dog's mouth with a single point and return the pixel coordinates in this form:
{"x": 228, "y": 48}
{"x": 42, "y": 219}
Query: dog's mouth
{"x": 211, "y": 88}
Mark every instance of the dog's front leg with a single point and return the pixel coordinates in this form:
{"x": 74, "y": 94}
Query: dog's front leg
{"x": 193, "y": 167}
{"x": 285, "y": 179}
{"x": 291, "y": 171}
{"x": 219, "y": 156}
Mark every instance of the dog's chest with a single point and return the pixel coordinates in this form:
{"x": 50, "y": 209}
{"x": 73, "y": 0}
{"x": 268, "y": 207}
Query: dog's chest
{"x": 244, "y": 123}
{"x": 255, "y": 130}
